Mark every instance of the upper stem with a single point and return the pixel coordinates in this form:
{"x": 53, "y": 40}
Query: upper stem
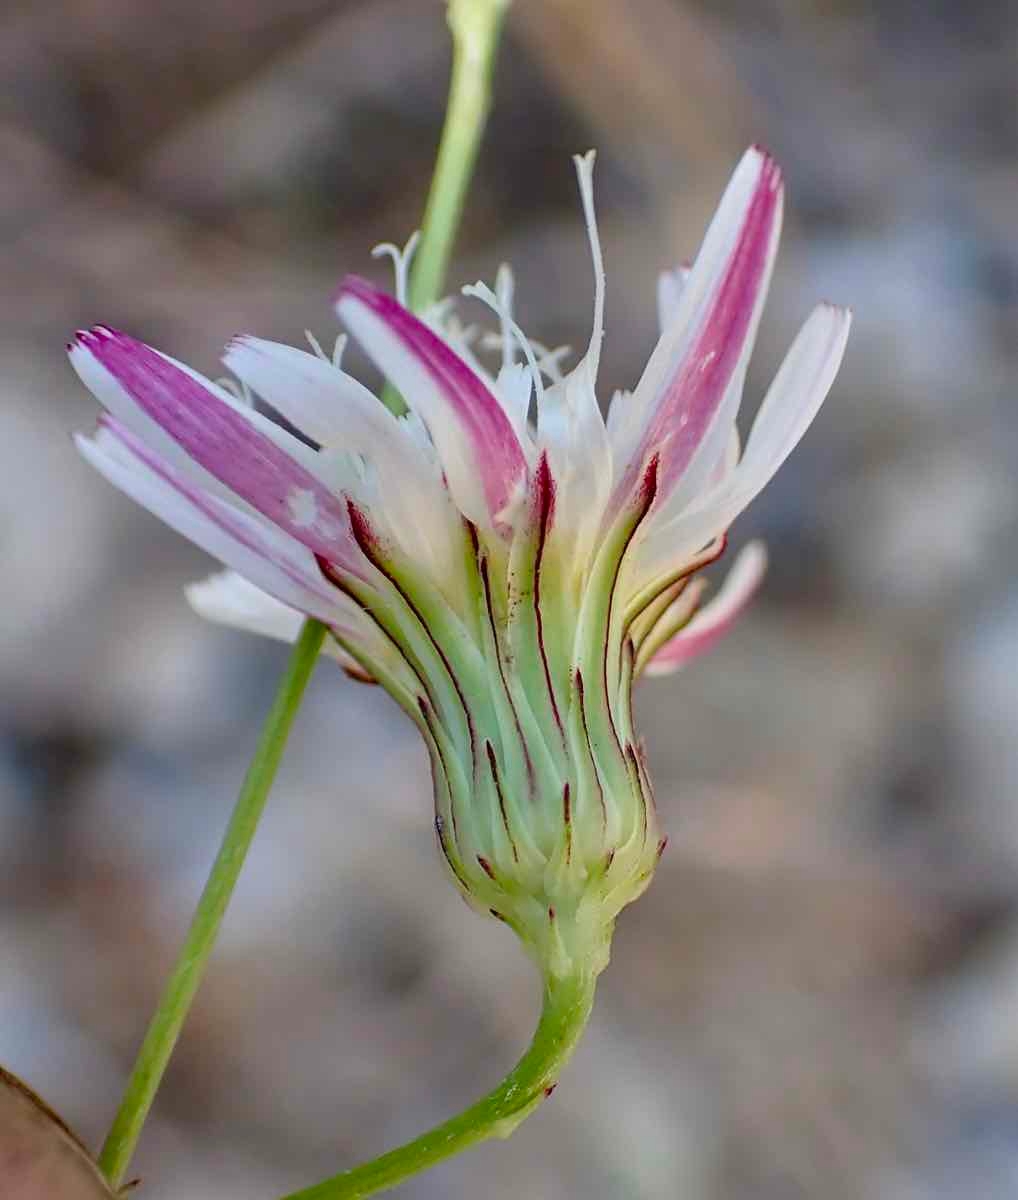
{"x": 475, "y": 26}
{"x": 169, "y": 1017}
{"x": 567, "y": 1005}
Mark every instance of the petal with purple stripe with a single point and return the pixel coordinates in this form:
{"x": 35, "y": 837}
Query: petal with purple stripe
{"x": 707, "y": 373}
{"x": 116, "y": 400}
{"x": 481, "y": 455}
{"x": 700, "y": 282}
{"x": 792, "y": 401}
{"x": 229, "y": 442}
{"x": 250, "y": 545}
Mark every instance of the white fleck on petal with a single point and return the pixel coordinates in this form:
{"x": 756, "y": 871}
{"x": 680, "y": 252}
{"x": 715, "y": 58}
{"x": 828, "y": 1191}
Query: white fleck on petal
{"x": 303, "y": 507}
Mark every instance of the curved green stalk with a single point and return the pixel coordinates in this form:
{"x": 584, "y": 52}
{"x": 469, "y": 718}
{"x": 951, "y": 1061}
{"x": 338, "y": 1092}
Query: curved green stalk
{"x": 567, "y": 1005}
{"x": 187, "y": 974}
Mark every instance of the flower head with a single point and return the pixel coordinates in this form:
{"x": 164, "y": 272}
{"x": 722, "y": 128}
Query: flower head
{"x": 503, "y": 560}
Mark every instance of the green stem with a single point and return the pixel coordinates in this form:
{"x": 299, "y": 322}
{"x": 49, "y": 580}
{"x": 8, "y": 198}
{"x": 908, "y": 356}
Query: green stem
{"x": 567, "y": 1005}
{"x": 475, "y": 26}
{"x": 187, "y": 974}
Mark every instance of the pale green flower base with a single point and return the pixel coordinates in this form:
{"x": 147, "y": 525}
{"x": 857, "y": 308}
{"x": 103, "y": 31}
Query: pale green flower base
{"x": 567, "y": 1005}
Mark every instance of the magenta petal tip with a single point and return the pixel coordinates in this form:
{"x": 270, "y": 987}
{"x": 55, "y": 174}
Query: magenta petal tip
{"x": 357, "y": 285}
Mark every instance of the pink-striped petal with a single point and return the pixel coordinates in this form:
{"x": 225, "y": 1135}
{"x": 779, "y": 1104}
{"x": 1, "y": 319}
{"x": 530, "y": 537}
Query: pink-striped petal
{"x": 233, "y": 444}
{"x": 792, "y": 401}
{"x": 715, "y": 619}
{"x": 700, "y": 364}
{"x": 120, "y": 404}
{"x": 691, "y": 397}
{"x": 700, "y": 282}
{"x": 268, "y": 557}
{"x": 481, "y": 454}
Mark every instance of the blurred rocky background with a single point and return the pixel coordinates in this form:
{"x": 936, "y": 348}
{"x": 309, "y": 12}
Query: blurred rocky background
{"x": 818, "y": 999}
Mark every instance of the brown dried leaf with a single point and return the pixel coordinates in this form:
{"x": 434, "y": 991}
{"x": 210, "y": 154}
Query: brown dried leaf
{"x": 40, "y": 1158}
